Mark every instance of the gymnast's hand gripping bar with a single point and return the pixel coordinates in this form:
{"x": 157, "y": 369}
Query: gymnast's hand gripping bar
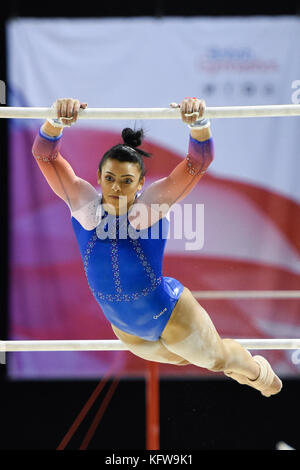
{"x": 155, "y": 113}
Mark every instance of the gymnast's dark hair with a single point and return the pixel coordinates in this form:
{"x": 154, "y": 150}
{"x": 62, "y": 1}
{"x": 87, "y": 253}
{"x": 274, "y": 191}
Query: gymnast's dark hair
{"x": 128, "y": 151}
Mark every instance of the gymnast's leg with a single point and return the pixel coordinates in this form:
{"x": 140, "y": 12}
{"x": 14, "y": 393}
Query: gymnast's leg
{"x": 154, "y": 351}
{"x": 191, "y": 334}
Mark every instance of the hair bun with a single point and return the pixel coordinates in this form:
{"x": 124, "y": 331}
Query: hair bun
{"x": 132, "y": 138}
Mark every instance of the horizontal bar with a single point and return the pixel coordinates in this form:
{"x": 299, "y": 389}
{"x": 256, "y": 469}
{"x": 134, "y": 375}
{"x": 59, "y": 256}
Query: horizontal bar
{"x": 117, "y": 345}
{"x": 270, "y": 343}
{"x": 155, "y": 113}
{"x": 247, "y": 294}
{"x": 63, "y": 345}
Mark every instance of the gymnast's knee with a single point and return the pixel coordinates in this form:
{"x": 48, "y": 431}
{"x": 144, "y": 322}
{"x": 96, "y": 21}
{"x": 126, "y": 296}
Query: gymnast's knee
{"x": 218, "y": 364}
{"x": 220, "y": 357}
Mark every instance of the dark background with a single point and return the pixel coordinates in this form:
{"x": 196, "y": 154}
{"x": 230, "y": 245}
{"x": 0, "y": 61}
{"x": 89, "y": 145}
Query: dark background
{"x": 209, "y": 414}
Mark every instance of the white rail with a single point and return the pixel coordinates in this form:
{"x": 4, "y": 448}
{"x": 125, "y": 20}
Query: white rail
{"x": 116, "y": 345}
{"x": 155, "y": 113}
{"x": 247, "y": 294}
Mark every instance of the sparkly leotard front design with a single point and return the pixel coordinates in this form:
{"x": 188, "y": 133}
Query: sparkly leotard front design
{"x": 125, "y": 275}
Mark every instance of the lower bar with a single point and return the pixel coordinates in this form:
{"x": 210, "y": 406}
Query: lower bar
{"x": 270, "y": 343}
{"x": 117, "y": 345}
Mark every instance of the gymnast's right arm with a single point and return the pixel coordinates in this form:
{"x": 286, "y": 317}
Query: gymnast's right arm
{"x": 59, "y": 174}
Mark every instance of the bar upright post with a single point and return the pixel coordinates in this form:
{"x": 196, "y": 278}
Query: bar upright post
{"x": 152, "y": 406}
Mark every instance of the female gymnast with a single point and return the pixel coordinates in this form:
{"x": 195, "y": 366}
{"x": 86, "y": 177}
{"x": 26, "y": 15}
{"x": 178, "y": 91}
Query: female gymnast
{"x": 155, "y": 316}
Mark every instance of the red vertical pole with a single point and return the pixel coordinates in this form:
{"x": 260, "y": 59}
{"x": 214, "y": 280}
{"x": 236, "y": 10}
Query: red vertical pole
{"x": 152, "y": 406}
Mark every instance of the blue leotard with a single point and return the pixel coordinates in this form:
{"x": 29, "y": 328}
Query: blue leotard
{"x": 125, "y": 274}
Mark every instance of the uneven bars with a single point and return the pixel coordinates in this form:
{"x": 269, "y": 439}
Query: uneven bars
{"x": 117, "y": 345}
{"x": 247, "y": 294}
{"x": 155, "y": 113}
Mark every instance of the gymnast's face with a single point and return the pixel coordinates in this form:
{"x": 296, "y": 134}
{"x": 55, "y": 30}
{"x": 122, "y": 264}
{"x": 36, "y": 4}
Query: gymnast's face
{"x": 119, "y": 181}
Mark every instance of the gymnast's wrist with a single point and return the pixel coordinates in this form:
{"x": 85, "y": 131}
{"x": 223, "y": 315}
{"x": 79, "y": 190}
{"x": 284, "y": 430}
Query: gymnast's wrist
{"x": 50, "y": 130}
{"x": 200, "y": 134}
{"x": 202, "y": 123}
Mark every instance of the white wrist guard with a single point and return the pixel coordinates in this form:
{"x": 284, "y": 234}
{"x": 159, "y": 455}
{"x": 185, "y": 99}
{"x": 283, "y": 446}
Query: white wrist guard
{"x": 200, "y": 124}
{"x": 57, "y": 122}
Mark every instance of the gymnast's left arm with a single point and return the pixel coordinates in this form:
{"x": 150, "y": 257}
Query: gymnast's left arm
{"x": 181, "y": 181}
{"x": 200, "y": 155}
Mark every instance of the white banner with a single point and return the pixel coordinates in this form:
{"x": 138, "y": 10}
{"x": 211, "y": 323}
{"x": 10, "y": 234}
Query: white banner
{"x": 146, "y": 62}
{"x": 250, "y": 194}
